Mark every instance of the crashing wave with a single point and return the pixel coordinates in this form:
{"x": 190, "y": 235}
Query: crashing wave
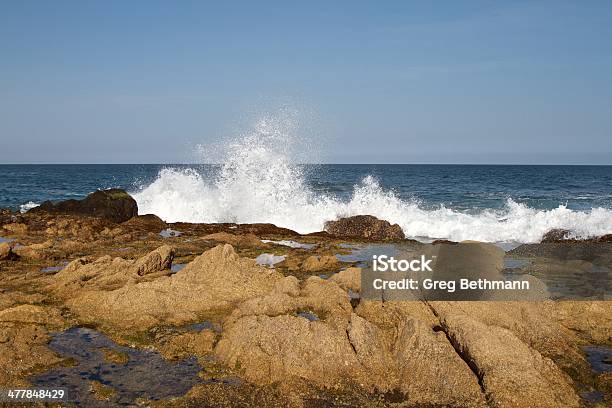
{"x": 259, "y": 183}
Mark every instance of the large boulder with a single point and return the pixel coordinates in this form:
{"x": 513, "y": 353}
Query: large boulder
{"x": 131, "y": 295}
{"x": 364, "y": 226}
{"x": 114, "y": 204}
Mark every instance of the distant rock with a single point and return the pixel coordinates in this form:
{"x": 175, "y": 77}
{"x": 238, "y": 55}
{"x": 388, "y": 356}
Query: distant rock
{"x": 114, "y": 204}
{"x": 562, "y": 235}
{"x": 243, "y": 241}
{"x": 555, "y": 235}
{"x": 443, "y": 241}
{"x": 364, "y": 226}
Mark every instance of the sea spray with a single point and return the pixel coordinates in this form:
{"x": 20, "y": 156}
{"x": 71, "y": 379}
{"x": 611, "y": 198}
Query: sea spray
{"x": 259, "y": 181}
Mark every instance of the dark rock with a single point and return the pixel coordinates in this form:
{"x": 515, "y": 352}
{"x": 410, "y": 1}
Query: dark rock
{"x": 443, "y": 241}
{"x": 604, "y": 238}
{"x": 364, "y": 226}
{"x": 555, "y": 235}
{"x": 114, "y": 205}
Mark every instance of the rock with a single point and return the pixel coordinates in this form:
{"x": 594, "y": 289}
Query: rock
{"x": 512, "y": 373}
{"x": 316, "y": 263}
{"x": 188, "y": 344}
{"x": 288, "y": 348}
{"x": 114, "y": 204}
{"x": 6, "y": 252}
{"x": 267, "y": 343}
{"x": 158, "y": 260}
{"x": 107, "y": 273}
{"x": 147, "y": 222}
{"x": 22, "y": 350}
{"x": 443, "y": 241}
{"x": 242, "y": 241}
{"x": 35, "y": 251}
{"x": 32, "y": 314}
{"x": 604, "y": 238}
{"x": 364, "y": 226}
{"x": 348, "y": 279}
{"x": 432, "y": 369}
{"x": 16, "y": 228}
{"x": 102, "y": 392}
{"x": 555, "y": 235}
{"x": 211, "y": 283}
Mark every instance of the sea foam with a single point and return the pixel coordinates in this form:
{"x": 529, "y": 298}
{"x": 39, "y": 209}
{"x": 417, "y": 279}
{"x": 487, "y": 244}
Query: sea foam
{"x": 259, "y": 182}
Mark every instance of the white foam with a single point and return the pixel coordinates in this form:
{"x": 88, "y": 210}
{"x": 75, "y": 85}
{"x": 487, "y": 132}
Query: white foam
{"x": 23, "y": 208}
{"x": 259, "y": 183}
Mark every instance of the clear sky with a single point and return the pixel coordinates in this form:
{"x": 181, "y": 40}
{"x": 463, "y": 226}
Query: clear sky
{"x": 381, "y": 81}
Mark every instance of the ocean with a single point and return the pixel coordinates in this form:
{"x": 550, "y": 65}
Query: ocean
{"x": 494, "y": 203}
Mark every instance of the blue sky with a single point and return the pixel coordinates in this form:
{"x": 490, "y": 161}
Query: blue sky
{"x": 377, "y": 82}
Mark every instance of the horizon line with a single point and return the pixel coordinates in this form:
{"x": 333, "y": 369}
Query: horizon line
{"x": 310, "y": 164}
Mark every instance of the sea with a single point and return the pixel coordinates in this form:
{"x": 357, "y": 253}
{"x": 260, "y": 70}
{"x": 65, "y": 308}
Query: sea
{"x": 493, "y": 203}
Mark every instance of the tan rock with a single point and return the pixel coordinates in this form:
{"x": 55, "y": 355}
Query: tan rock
{"x": 212, "y": 282}
{"x": 22, "y": 350}
{"x": 35, "y": 251}
{"x": 107, "y": 273}
{"x": 512, "y": 373}
{"x": 32, "y": 314}
{"x": 6, "y": 252}
{"x": 317, "y": 263}
{"x": 186, "y": 344}
{"x": 243, "y": 241}
{"x": 16, "y": 228}
{"x": 348, "y": 279}
{"x": 430, "y": 370}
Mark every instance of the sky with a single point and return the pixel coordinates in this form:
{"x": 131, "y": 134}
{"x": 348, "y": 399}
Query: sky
{"x": 372, "y": 82}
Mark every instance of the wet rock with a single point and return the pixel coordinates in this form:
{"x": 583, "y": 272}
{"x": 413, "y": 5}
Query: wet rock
{"x": 114, "y": 356}
{"x": 316, "y": 263}
{"x": 22, "y": 350}
{"x": 443, "y": 241}
{"x": 555, "y": 235}
{"x": 114, "y": 204}
{"x": 364, "y": 226}
{"x": 188, "y": 344}
{"x": 102, "y": 392}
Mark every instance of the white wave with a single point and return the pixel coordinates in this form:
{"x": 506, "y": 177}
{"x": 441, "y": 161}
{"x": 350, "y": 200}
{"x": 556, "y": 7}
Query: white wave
{"x": 27, "y": 206}
{"x": 259, "y": 183}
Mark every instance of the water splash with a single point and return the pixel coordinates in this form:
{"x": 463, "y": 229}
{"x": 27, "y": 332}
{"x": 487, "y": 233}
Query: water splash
{"x": 260, "y": 181}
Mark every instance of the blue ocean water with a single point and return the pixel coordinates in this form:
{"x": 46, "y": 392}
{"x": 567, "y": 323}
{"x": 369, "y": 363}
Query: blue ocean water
{"x": 461, "y": 187}
{"x": 303, "y": 196}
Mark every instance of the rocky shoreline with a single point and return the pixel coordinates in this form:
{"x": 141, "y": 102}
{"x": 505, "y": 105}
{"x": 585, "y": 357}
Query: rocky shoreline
{"x": 295, "y": 334}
